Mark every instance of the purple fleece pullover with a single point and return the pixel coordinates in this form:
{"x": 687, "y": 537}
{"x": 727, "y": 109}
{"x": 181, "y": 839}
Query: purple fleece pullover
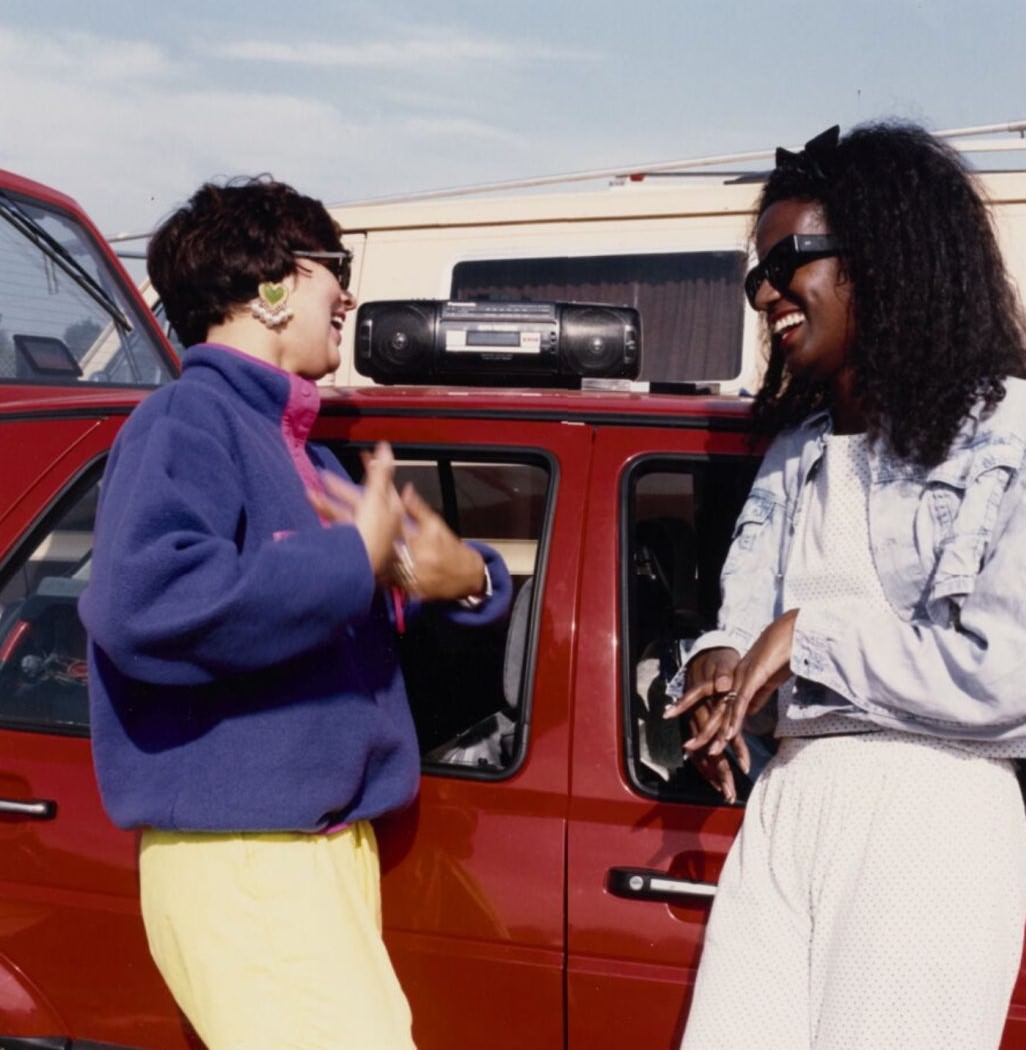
{"x": 243, "y": 669}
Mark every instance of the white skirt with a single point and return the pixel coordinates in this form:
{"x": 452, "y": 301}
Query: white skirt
{"x": 874, "y": 899}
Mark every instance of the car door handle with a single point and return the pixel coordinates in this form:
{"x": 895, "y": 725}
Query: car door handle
{"x": 649, "y": 885}
{"x": 33, "y": 808}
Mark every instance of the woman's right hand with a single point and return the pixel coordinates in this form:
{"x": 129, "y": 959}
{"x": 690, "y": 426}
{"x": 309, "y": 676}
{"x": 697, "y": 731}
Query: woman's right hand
{"x": 710, "y": 678}
{"x": 709, "y": 674}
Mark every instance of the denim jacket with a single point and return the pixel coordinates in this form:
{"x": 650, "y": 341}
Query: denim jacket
{"x": 949, "y": 545}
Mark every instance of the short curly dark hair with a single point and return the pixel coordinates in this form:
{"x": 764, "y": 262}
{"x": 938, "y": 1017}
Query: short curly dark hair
{"x": 209, "y": 256}
{"x": 937, "y": 324}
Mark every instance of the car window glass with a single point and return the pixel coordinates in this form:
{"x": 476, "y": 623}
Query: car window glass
{"x": 42, "y": 641}
{"x": 469, "y": 687}
{"x": 63, "y": 317}
{"x": 691, "y": 303}
{"x": 678, "y": 517}
{"x": 166, "y": 327}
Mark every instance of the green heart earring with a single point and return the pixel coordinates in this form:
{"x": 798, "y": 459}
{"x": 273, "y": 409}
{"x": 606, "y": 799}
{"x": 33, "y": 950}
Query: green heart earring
{"x": 271, "y": 304}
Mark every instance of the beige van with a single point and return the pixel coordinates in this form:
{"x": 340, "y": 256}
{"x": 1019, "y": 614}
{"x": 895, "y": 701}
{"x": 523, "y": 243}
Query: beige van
{"x": 670, "y": 240}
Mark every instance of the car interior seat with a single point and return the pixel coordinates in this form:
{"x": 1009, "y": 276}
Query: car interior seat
{"x": 665, "y": 623}
{"x": 491, "y": 742}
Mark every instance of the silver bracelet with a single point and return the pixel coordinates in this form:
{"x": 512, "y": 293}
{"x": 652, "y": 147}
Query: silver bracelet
{"x": 473, "y": 601}
{"x": 403, "y": 573}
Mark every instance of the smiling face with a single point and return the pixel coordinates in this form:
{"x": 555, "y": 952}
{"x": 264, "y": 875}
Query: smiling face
{"x": 811, "y": 323}
{"x": 309, "y": 343}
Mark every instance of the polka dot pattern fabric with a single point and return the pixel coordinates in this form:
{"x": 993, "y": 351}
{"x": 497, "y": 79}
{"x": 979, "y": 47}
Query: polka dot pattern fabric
{"x": 831, "y": 561}
{"x": 873, "y": 900}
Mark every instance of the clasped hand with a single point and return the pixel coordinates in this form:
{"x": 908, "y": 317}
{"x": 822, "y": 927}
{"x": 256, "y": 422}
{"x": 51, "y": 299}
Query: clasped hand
{"x": 442, "y": 566}
{"x": 722, "y": 689}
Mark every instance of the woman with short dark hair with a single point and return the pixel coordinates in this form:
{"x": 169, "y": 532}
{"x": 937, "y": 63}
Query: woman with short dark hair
{"x": 248, "y": 708}
{"x": 876, "y": 894}
{"x": 211, "y": 256}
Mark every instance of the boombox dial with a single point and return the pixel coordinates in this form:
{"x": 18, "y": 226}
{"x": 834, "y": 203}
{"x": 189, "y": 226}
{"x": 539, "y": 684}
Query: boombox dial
{"x": 496, "y": 343}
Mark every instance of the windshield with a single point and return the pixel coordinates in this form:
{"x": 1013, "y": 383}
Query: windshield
{"x": 63, "y": 317}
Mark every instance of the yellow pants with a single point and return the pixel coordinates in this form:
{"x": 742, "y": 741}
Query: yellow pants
{"x": 274, "y": 940}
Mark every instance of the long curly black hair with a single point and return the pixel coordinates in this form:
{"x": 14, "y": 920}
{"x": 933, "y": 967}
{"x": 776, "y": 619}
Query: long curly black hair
{"x": 937, "y": 323}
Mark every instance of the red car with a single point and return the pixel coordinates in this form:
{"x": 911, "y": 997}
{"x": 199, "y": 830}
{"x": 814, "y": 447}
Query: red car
{"x": 550, "y": 886}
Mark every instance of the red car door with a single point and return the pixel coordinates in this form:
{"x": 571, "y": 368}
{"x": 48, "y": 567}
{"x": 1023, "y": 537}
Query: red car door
{"x": 473, "y": 872}
{"x": 646, "y": 839}
{"x": 73, "y": 957}
{"x": 645, "y": 845}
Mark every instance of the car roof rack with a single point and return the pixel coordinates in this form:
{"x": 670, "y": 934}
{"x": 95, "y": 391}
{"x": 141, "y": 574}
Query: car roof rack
{"x": 719, "y": 165}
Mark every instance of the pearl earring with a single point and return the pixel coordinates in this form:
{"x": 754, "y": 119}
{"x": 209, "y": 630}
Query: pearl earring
{"x": 271, "y": 304}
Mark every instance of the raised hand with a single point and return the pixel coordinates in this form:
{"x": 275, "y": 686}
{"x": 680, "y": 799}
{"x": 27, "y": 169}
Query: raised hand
{"x": 374, "y": 508}
{"x": 443, "y": 566}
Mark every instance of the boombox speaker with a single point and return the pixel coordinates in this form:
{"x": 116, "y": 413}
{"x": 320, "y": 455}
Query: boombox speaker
{"x": 496, "y": 343}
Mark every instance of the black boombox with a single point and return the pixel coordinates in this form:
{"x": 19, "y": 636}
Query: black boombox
{"x": 496, "y": 343}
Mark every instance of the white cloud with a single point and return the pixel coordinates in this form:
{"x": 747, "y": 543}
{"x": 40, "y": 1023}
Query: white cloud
{"x": 460, "y": 128}
{"x": 84, "y": 56}
{"x": 130, "y": 144}
{"x": 129, "y": 148}
{"x": 411, "y": 51}
{"x": 130, "y": 130}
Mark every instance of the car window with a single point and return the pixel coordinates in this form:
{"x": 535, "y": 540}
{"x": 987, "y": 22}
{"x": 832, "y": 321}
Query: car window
{"x": 691, "y": 303}
{"x": 64, "y": 318}
{"x": 42, "y": 641}
{"x": 469, "y": 687}
{"x": 168, "y": 329}
{"x": 678, "y": 516}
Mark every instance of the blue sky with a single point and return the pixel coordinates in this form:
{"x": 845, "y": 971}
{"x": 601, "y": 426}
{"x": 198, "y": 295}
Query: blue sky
{"x": 127, "y": 106}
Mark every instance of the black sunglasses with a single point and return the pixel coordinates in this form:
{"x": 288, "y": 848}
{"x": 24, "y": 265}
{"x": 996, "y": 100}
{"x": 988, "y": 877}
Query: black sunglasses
{"x": 785, "y": 257}
{"x": 340, "y": 263}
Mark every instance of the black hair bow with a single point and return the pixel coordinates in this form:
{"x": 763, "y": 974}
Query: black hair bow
{"x": 818, "y": 158}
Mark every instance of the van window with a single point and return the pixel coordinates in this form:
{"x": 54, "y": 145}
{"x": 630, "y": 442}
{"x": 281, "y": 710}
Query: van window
{"x": 691, "y": 303}
{"x": 42, "y": 640}
{"x": 469, "y": 687}
{"x": 678, "y": 517}
{"x": 64, "y": 318}
{"x": 166, "y": 327}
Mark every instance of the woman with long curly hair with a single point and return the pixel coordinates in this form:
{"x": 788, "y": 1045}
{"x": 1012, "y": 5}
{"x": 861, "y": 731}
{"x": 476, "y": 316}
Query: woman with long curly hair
{"x": 876, "y": 585}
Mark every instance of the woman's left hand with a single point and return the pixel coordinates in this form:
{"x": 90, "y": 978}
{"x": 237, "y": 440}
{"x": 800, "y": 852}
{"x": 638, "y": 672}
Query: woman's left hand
{"x": 444, "y": 567}
{"x": 761, "y": 671}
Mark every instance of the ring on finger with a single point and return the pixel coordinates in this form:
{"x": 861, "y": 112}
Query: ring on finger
{"x": 403, "y": 572}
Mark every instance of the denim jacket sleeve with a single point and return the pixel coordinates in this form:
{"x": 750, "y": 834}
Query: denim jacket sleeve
{"x": 951, "y": 659}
